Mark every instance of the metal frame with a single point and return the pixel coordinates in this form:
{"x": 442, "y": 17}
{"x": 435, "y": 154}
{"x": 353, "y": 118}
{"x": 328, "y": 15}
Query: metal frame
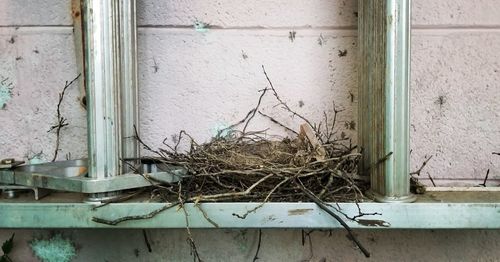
{"x": 110, "y": 79}
{"x": 111, "y": 82}
{"x": 71, "y": 176}
{"x": 428, "y": 214}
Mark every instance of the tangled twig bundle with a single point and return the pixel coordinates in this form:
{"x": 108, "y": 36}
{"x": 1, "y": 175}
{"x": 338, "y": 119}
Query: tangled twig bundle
{"x": 246, "y": 166}
{"x": 242, "y": 165}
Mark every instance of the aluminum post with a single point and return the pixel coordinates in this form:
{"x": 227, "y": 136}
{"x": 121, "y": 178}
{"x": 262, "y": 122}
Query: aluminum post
{"x": 129, "y": 87}
{"x": 111, "y": 85}
{"x": 384, "y": 42}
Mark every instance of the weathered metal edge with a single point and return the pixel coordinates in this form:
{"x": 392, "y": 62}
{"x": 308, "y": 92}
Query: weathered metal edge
{"x": 271, "y": 215}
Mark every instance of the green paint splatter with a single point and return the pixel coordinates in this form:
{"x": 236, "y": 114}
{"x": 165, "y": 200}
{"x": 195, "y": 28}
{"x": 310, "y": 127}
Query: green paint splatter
{"x": 241, "y": 240}
{"x": 55, "y": 249}
{"x": 200, "y": 26}
{"x": 6, "y": 87}
{"x": 36, "y": 160}
{"x": 221, "y": 130}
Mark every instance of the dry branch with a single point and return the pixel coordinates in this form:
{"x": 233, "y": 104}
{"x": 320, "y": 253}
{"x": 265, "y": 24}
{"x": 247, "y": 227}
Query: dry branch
{"x": 61, "y": 121}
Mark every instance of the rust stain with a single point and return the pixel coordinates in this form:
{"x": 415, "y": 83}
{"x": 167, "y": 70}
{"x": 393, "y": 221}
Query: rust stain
{"x": 79, "y": 37}
{"x": 75, "y": 9}
{"x": 373, "y": 223}
{"x": 82, "y": 171}
{"x": 75, "y": 13}
{"x": 299, "y": 212}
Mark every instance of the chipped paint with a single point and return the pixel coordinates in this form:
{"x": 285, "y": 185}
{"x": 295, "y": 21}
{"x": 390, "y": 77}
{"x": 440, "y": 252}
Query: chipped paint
{"x": 55, "y": 249}
{"x": 299, "y": 212}
{"x": 373, "y": 223}
{"x": 6, "y": 87}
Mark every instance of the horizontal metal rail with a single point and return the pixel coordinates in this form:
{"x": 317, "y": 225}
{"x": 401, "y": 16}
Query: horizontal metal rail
{"x": 272, "y": 215}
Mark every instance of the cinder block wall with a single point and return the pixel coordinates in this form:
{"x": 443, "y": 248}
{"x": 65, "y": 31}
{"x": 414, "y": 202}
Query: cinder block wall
{"x": 200, "y": 70}
{"x": 204, "y": 79}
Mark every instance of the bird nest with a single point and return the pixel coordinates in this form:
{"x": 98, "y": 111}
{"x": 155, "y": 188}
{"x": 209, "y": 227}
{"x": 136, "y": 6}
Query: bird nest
{"x": 314, "y": 165}
{"x": 242, "y": 165}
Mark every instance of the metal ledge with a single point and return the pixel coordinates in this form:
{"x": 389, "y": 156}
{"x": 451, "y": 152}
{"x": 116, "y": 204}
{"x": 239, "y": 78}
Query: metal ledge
{"x": 435, "y": 210}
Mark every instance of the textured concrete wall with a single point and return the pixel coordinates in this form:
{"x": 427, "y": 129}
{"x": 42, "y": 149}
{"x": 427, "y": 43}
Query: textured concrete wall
{"x": 276, "y": 245}
{"x": 202, "y": 80}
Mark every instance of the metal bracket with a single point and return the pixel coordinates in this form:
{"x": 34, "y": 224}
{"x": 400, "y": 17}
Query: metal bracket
{"x": 72, "y": 176}
{"x": 11, "y": 191}
{"x": 110, "y": 70}
{"x": 9, "y": 163}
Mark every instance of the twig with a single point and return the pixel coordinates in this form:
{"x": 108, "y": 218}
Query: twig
{"x": 247, "y": 118}
{"x": 205, "y": 215}
{"x": 258, "y": 246}
{"x": 338, "y": 218}
{"x": 331, "y": 132}
{"x": 380, "y": 161}
{"x": 485, "y": 178}
{"x": 263, "y": 202}
{"x": 190, "y": 240}
{"x": 309, "y": 239}
{"x": 432, "y": 180}
{"x": 61, "y": 121}
{"x": 146, "y": 240}
{"x": 254, "y": 110}
{"x": 135, "y": 217}
{"x": 328, "y": 184}
{"x": 246, "y": 192}
{"x": 278, "y": 123}
{"x": 119, "y": 199}
{"x": 360, "y": 213}
{"x": 421, "y": 167}
{"x": 496, "y": 153}
{"x": 284, "y": 105}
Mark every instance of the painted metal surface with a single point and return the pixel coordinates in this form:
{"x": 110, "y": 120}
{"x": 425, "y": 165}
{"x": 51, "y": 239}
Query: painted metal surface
{"x": 71, "y": 176}
{"x": 384, "y": 34}
{"x": 271, "y": 215}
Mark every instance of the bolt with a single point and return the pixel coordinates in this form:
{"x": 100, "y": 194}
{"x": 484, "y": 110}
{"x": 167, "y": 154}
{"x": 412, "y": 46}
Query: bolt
{"x": 9, "y": 193}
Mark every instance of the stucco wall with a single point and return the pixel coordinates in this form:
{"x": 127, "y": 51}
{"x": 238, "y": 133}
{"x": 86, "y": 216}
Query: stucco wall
{"x": 202, "y": 80}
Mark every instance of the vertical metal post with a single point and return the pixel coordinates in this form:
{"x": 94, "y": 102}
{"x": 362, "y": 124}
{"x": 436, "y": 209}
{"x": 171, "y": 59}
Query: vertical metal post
{"x": 384, "y": 41}
{"x": 129, "y": 87}
{"x": 111, "y": 85}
